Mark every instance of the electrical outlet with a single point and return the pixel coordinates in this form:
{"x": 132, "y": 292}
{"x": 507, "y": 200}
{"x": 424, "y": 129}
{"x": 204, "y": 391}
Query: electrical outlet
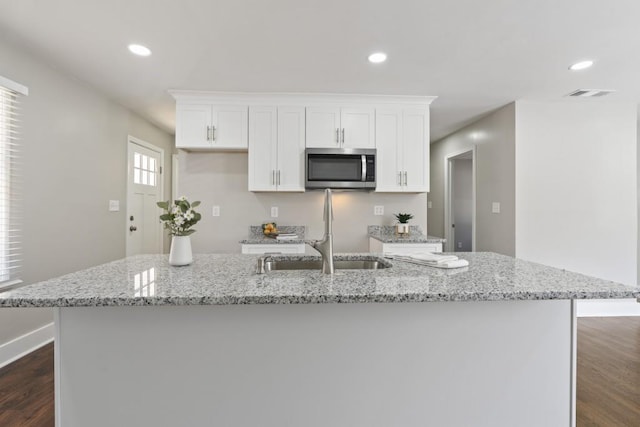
{"x": 459, "y": 245}
{"x": 429, "y": 204}
{"x": 114, "y": 205}
{"x": 215, "y": 211}
{"x": 378, "y": 210}
{"x": 274, "y": 212}
{"x": 495, "y": 207}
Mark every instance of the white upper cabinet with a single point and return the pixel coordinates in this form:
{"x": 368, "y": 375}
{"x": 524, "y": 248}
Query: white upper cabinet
{"x": 276, "y": 148}
{"x": 402, "y": 143}
{"x": 276, "y": 134}
{"x": 416, "y": 150}
{"x": 291, "y": 131}
{"x": 389, "y": 150}
{"x": 358, "y": 128}
{"x": 334, "y": 127}
{"x": 211, "y": 127}
{"x": 323, "y": 127}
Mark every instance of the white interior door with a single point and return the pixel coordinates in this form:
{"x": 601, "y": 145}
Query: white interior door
{"x": 144, "y": 190}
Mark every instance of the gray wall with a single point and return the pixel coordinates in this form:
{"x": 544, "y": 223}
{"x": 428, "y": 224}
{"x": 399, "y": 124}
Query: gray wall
{"x": 221, "y": 179}
{"x": 74, "y": 156}
{"x": 494, "y": 137}
{"x": 463, "y": 204}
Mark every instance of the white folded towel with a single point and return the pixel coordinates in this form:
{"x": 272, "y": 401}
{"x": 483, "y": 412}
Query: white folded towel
{"x": 431, "y": 257}
{"x": 433, "y": 260}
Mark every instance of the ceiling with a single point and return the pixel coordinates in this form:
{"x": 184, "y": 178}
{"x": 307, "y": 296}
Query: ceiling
{"x": 476, "y": 56}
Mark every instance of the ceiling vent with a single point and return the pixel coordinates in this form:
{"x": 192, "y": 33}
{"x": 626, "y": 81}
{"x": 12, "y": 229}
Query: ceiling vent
{"x": 590, "y": 93}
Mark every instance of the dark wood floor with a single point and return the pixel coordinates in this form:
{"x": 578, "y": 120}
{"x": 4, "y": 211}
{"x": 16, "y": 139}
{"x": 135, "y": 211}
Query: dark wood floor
{"x": 608, "y": 378}
{"x": 608, "y": 392}
{"x": 26, "y": 390}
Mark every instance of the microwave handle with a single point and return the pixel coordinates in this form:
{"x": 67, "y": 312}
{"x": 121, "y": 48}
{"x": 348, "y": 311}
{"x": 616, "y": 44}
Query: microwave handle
{"x": 364, "y": 168}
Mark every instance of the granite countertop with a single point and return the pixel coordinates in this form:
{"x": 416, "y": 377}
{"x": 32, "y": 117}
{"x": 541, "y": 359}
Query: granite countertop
{"x": 257, "y": 237}
{"x": 216, "y": 279}
{"x": 387, "y": 234}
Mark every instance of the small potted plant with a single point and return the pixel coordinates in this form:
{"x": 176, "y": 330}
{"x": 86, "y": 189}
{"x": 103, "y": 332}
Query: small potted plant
{"x": 178, "y": 218}
{"x": 403, "y": 223}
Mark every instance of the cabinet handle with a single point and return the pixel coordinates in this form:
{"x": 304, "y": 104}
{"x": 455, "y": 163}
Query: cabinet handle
{"x": 273, "y": 177}
{"x": 338, "y": 136}
{"x": 208, "y": 132}
{"x": 342, "y": 135}
{"x": 405, "y": 178}
{"x": 400, "y": 178}
{"x": 278, "y": 176}
{"x": 213, "y": 133}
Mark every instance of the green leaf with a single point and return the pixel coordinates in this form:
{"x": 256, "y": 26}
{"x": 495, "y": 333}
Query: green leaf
{"x": 195, "y": 204}
{"x": 197, "y": 217}
{"x": 165, "y": 217}
{"x": 163, "y": 205}
{"x": 188, "y": 232}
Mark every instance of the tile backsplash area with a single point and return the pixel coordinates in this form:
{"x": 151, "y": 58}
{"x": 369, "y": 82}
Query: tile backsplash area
{"x": 221, "y": 179}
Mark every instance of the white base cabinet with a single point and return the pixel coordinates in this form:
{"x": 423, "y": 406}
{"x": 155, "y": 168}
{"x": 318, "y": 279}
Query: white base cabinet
{"x": 377, "y": 246}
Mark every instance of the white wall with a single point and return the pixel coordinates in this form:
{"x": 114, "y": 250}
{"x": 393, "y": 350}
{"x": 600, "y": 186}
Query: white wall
{"x": 74, "y": 143}
{"x": 494, "y": 137}
{"x": 462, "y": 202}
{"x": 576, "y": 190}
{"x": 221, "y": 179}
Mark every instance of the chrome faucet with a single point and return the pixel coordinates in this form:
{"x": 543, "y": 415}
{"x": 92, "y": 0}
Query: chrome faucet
{"x": 325, "y": 246}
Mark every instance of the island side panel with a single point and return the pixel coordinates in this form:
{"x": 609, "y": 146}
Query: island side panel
{"x": 500, "y": 363}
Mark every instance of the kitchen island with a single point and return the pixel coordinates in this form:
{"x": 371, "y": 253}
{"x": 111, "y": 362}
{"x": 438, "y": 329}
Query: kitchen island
{"x": 139, "y": 342}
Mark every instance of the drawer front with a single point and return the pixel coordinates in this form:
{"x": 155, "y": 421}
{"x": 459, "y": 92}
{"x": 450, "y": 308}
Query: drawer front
{"x": 283, "y": 249}
{"x": 411, "y": 248}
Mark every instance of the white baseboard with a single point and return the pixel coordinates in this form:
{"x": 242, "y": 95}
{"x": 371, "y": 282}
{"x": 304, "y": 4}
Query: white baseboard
{"x": 608, "y": 307}
{"x": 25, "y": 344}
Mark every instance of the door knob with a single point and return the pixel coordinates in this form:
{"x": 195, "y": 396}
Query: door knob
{"x": 133, "y": 228}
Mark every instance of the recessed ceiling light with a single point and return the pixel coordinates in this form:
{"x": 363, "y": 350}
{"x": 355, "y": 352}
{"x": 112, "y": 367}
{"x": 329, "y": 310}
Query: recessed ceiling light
{"x": 140, "y": 50}
{"x": 582, "y": 65}
{"x": 377, "y": 57}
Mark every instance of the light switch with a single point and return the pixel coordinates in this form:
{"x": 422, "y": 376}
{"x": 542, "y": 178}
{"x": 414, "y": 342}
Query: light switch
{"x": 215, "y": 211}
{"x": 114, "y": 205}
{"x": 495, "y": 207}
{"x": 378, "y": 210}
{"x": 274, "y": 212}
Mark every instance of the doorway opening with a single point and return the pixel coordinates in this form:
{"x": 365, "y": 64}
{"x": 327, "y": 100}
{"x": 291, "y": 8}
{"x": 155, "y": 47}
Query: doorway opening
{"x": 144, "y": 190}
{"x": 460, "y": 201}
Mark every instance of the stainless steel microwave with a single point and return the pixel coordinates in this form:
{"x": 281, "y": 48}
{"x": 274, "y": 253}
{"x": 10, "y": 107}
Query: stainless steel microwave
{"x": 350, "y": 168}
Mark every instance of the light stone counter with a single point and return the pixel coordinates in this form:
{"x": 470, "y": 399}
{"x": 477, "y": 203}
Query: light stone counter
{"x": 155, "y": 345}
{"x": 387, "y": 234}
{"x": 221, "y": 279}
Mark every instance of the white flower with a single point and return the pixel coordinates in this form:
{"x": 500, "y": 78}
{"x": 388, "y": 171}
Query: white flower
{"x": 178, "y": 220}
{"x": 183, "y": 198}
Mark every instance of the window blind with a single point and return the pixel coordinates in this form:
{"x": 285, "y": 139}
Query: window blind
{"x": 10, "y": 184}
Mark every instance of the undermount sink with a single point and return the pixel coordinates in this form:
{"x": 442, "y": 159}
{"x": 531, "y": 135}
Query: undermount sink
{"x": 275, "y": 265}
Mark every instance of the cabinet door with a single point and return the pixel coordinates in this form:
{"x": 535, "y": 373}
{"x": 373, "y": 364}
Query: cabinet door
{"x": 192, "y": 122}
{"x": 358, "y": 128}
{"x": 263, "y": 136}
{"x": 388, "y": 150}
{"x": 231, "y": 126}
{"x": 291, "y": 169}
{"x": 415, "y": 137}
{"x": 323, "y": 125}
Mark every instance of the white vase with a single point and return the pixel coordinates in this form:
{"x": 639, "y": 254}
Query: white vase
{"x": 402, "y": 228}
{"x": 180, "y": 253}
